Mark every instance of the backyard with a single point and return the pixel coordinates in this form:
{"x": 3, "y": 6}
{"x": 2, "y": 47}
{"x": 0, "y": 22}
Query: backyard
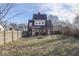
{"x": 56, "y": 45}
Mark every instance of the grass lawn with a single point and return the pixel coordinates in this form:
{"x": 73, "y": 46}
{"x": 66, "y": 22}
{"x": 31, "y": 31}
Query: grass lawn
{"x": 42, "y": 46}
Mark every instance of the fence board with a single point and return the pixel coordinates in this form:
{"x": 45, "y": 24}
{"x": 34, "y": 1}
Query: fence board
{"x": 8, "y": 36}
{"x": 1, "y": 37}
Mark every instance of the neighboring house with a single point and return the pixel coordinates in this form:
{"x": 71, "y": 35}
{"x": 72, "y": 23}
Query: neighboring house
{"x": 39, "y": 24}
{"x": 13, "y": 26}
{"x": 1, "y": 28}
{"x": 22, "y": 27}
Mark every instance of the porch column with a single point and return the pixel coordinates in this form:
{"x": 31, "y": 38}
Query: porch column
{"x": 33, "y": 32}
{"x": 39, "y": 32}
{"x": 48, "y": 31}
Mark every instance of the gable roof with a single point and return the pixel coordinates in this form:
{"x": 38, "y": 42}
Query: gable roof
{"x": 30, "y": 21}
{"x": 39, "y": 16}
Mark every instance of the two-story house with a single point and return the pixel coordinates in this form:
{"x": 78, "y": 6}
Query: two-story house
{"x": 39, "y": 24}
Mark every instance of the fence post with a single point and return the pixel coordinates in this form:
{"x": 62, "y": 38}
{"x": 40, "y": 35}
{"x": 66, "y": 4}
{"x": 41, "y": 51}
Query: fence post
{"x": 12, "y": 35}
{"x": 17, "y": 34}
{"x": 4, "y": 37}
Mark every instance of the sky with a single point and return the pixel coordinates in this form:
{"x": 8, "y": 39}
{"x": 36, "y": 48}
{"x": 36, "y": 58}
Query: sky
{"x": 64, "y": 11}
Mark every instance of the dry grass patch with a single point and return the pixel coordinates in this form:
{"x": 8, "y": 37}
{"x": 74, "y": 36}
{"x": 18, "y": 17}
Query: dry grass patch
{"x": 46, "y": 46}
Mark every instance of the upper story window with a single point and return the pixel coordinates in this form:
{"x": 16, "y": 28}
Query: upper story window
{"x": 36, "y": 23}
{"x": 42, "y": 22}
{"x": 39, "y": 22}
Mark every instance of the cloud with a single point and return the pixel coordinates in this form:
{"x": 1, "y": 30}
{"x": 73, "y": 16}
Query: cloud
{"x": 75, "y": 9}
{"x": 50, "y": 8}
{"x": 64, "y": 11}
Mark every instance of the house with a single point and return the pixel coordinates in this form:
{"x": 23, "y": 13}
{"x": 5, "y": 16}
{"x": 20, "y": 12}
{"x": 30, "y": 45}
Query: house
{"x": 39, "y": 25}
{"x": 22, "y": 27}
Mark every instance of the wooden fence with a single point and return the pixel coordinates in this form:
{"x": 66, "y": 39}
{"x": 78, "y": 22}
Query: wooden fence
{"x": 9, "y": 36}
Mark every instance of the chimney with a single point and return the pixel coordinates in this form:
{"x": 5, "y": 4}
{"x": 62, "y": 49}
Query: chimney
{"x": 39, "y": 13}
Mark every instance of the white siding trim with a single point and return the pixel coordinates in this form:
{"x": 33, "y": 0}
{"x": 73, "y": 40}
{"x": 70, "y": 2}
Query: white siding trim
{"x": 39, "y": 22}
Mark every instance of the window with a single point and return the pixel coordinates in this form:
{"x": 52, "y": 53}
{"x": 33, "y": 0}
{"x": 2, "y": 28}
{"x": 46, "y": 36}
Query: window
{"x": 36, "y": 23}
{"x": 42, "y": 23}
{"x": 30, "y": 24}
{"x": 39, "y": 22}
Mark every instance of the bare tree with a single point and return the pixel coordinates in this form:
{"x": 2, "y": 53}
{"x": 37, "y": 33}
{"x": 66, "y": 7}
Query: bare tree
{"x": 55, "y": 22}
{"x": 4, "y": 11}
{"x": 22, "y": 27}
{"x": 76, "y": 24}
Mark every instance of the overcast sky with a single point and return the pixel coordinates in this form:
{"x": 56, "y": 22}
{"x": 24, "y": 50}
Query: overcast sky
{"x": 62, "y": 10}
